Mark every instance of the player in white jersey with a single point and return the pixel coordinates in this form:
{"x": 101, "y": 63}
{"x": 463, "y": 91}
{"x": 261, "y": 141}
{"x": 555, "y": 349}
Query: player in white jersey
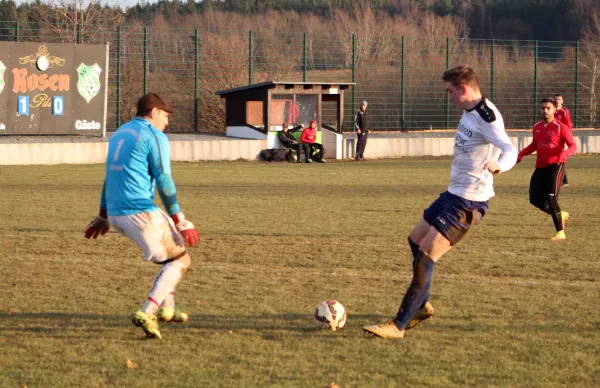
{"x": 482, "y": 148}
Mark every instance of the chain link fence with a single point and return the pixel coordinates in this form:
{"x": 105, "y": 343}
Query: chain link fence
{"x": 399, "y": 76}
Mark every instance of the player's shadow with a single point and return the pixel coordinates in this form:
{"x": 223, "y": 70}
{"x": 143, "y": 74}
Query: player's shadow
{"x": 63, "y": 325}
{"x": 269, "y": 326}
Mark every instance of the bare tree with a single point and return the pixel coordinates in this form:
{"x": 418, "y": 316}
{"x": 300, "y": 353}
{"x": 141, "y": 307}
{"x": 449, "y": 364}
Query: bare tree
{"x": 68, "y": 19}
{"x": 591, "y": 61}
{"x": 437, "y": 29}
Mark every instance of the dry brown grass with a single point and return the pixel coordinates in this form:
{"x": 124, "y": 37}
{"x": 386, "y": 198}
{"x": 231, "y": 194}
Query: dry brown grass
{"x": 513, "y": 309}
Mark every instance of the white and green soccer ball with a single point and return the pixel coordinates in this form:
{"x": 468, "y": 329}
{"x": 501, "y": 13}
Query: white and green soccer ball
{"x": 330, "y": 314}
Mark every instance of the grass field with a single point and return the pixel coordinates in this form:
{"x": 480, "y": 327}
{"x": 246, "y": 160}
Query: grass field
{"x": 513, "y": 308}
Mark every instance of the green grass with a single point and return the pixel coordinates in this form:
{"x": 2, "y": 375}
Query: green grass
{"x": 513, "y": 308}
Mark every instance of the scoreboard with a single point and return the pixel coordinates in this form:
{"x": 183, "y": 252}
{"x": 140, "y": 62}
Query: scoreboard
{"x": 53, "y": 89}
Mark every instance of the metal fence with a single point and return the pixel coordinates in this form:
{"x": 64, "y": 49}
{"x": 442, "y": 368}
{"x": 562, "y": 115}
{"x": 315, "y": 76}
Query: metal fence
{"x": 400, "y": 76}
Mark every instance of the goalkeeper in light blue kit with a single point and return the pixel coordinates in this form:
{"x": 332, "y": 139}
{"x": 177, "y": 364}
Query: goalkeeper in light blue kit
{"x": 138, "y": 159}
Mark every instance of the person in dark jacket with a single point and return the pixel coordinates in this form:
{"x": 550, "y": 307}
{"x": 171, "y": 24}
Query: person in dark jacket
{"x": 361, "y": 125}
{"x": 288, "y": 141}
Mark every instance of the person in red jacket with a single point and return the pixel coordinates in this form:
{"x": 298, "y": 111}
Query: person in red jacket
{"x": 549, "y": 139}
{"x": 309, "y": 136}
{"x": 563, "y": 114}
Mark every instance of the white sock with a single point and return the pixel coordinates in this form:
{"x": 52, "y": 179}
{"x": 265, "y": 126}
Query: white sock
{"x": 169, "y": 302}
{"x": 164, "y": 283}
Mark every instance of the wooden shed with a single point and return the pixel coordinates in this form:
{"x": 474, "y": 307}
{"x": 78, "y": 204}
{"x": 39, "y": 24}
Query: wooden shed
{"x": 254, "y": 111}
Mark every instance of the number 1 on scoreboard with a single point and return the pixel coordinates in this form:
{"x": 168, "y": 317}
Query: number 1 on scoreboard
{"x": 23, "y": 106}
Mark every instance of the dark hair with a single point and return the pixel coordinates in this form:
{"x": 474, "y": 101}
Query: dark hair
{"x": 558, "y": 95}
{"x": 549, "y": 100}
{"x": 461, "y": 75}
{"x": 151, "y": 100}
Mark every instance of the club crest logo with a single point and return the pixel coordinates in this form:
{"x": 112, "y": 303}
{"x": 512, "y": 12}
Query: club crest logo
{"x": 88, "y": 84}
{"x": 2, "y": 69}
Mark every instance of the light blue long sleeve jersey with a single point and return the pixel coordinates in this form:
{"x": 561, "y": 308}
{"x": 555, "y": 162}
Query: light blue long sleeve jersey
{"x": 138, "y": 158}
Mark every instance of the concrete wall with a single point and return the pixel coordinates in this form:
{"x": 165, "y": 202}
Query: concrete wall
{"x": 81, "y": 153}
{"x": 400, "y": 147}
{"x": 52, "y": 153}
{"x": 333, "y": 144}
{"x": 217, "y": 150}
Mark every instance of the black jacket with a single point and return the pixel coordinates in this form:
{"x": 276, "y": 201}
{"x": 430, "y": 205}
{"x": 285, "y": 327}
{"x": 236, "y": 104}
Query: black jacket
{"x": 286, "y": 138}
{"x": 361, "y": 120}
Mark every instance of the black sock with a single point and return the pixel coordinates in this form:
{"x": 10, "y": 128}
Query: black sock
{"x": 555, "y": 213}
{"x": 423, "y": 267}
{"x": 415, "y": 252}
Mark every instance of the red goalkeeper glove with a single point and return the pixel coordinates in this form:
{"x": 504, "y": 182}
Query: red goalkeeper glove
{"x": 186, "y": 228}
{"x": 98, "y": 227}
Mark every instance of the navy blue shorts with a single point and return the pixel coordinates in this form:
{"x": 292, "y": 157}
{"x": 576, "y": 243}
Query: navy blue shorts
{"x": 452, "y": 215}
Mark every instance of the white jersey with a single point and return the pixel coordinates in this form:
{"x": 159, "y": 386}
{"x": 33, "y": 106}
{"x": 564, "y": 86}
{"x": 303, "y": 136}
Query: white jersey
{"x": 480, "y": 138}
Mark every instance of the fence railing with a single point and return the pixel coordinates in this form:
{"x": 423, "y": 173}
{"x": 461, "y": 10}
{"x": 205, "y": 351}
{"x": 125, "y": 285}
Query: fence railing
{"x": 399, "y": 76}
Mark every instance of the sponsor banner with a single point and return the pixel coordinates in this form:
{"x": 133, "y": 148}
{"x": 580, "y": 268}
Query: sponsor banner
{"x": 52, "y": 88}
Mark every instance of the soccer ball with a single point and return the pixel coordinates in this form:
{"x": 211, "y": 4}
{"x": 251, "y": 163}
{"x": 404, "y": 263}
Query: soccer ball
{"x": 330, "y": 314}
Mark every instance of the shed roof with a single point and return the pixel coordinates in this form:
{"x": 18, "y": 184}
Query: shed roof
{"x": 341, "y": 85}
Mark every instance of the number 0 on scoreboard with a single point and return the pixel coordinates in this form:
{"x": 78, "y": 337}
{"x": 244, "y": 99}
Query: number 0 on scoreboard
{"x": 58, "y": 105}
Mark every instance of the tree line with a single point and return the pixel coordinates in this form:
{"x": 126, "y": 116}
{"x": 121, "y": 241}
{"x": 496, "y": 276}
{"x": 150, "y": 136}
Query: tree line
{"x": 394, "y": 55}
{"x": 555, "y": 20}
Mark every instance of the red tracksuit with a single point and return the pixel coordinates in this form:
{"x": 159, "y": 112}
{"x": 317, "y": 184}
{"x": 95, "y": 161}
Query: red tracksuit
{"x": 309, "y": 135}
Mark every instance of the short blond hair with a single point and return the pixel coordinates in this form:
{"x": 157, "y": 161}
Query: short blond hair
{"x": 461, "y": 75}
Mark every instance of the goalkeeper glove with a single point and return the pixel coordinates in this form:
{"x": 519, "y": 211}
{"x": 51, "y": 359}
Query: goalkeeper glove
{"x": 99, "y": 226}
{"x": 186, "y": 228}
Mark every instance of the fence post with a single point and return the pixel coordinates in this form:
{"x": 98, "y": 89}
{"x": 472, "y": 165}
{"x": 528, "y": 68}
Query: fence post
{"x": 535, "y": 83}
{"x": 17, "y": 31}
{"x": 118, "y": 76}
{"x": 576, "y": 83}
{"x": 196, "y": 78}
{"x": 304, "y": 57}
{"x": 353, "y": 74}
{"x": 145, "y": 60}
{"x": 78, "y": 33}
{"x": 249, "y": 57}
{"x": 402, "y": 65}
{"x": 447, "y": 95}
{"x": 492, "y": 94}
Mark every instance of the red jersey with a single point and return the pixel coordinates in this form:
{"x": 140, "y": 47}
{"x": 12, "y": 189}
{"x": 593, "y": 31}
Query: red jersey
{"x": 292, "y": 111}
{"x": 309, "y": 135}
{"x": 564, "y": 115}
{"x": 549, "y": 141}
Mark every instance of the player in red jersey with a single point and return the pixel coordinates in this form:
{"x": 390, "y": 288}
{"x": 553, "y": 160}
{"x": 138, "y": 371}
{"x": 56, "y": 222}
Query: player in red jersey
{"x": 563, "y": 114}
{"x": 549, "y": 139}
